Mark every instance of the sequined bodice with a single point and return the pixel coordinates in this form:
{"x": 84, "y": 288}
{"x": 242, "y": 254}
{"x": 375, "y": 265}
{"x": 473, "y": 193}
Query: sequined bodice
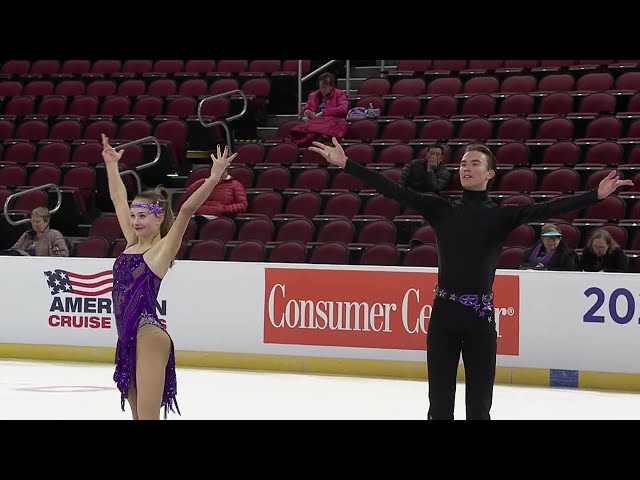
{"x": 135, "y": 290}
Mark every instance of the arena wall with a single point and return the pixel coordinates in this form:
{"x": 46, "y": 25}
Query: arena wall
{"x": 570, "y": 329}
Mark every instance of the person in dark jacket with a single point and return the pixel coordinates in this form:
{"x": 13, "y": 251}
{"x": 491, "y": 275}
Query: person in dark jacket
{"x": 427, "y": 174}
{"x": 550, "y": 253}
{"x": 603, "y": 254}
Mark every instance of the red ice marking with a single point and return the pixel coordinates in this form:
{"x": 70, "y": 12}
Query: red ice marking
{"x": 65, "y": 388}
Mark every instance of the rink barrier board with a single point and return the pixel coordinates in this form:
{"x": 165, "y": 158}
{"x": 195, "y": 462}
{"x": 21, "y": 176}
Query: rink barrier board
{"x": 554, "y": 328}
{"x": 328, "y": 366}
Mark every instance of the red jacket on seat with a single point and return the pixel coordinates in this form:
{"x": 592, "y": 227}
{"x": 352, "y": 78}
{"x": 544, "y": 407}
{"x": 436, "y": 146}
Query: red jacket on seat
{"x": 228, "y": 197}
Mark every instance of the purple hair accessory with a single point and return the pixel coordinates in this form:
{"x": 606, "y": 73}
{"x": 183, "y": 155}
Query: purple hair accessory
{"x": 154, "y": 208}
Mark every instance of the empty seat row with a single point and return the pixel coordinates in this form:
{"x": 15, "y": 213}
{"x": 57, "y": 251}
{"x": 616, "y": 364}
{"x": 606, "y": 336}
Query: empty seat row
{"x": 482, "y": 129}
{"x": 337, "y": 253}
{"x": 280, "y": 178}
{"x": 459, "y": 65}
{"x": 54, "y": 108}
{"x": 486, "y": 105}
{"x": 70, "y": 136}
{"x": 164, "y": 87}
{"x": 138, "y": 67}
{"x": 523, "y": 83}
{"x": 393, "y": 152}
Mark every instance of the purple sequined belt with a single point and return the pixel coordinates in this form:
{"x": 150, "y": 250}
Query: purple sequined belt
{"x": 482, "y": 304}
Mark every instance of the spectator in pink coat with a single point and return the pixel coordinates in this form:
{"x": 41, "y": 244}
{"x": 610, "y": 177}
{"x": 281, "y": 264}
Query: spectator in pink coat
{"x": 327, "y": 101}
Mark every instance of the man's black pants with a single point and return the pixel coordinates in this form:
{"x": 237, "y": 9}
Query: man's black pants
{"x": 455, "y": 328}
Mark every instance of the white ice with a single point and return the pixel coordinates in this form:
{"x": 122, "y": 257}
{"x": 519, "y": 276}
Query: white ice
{"x": 59, "y": 390}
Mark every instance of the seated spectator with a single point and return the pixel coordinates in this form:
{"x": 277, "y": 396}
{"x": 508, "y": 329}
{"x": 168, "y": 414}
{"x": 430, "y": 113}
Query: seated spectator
{"x": 327, "y": 101}
{"x": 227, "y": 198}
{"x": 323, "y": 114}
{"x": 551, "y": 252}
{"x": 427, "y": 174}
{"x": 603, "y": 254}
{"x": 41, "y": 240}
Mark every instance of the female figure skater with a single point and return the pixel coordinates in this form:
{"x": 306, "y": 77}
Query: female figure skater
{"x": 145, "y": 362}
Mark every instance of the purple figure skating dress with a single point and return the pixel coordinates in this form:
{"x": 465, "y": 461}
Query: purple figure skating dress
{"x": 135, "y": 289}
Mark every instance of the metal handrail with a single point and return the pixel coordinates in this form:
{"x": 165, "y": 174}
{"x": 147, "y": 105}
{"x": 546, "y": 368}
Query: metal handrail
{"x": 348, "y": 69}
{"x": 136, "y": 176}
{"x": 317, "y": 70}
{"x": 140, "y": 140}
{"x": 24, "y": 192}
{"x": 223, "y": 94}
{"x": 229, "y": 119}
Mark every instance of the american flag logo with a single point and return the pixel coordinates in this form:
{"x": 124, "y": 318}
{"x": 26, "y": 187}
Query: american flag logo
{"x": 63, "y": 281}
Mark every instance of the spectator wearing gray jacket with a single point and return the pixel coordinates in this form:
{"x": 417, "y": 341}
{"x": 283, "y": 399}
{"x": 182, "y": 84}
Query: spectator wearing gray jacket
{"x": 41, "y": 240}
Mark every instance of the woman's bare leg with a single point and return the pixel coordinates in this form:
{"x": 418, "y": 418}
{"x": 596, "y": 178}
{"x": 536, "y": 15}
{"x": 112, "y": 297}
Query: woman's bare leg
{"x": 152, "y": 355}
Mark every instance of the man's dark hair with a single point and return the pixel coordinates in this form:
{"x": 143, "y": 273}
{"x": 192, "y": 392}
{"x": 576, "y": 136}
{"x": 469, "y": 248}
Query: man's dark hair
{"x": 436, "y": 145}
{"x": 491, "y": 159}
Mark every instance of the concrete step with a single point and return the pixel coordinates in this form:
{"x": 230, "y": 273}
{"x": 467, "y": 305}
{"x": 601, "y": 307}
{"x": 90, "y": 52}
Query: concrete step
{"x": 366, "y": 72}
{"x": 267, "y": 132}
{"x": 277, "y": 120}
{"x": 388, "y": 63}
{"x": 197, "y": 154}
{"x": 355, "y": 83}
{"x": 173, "y": 180}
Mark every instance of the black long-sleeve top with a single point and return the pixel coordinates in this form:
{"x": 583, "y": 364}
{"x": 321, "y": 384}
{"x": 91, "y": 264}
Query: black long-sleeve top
{"x": 470, "y": 231}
